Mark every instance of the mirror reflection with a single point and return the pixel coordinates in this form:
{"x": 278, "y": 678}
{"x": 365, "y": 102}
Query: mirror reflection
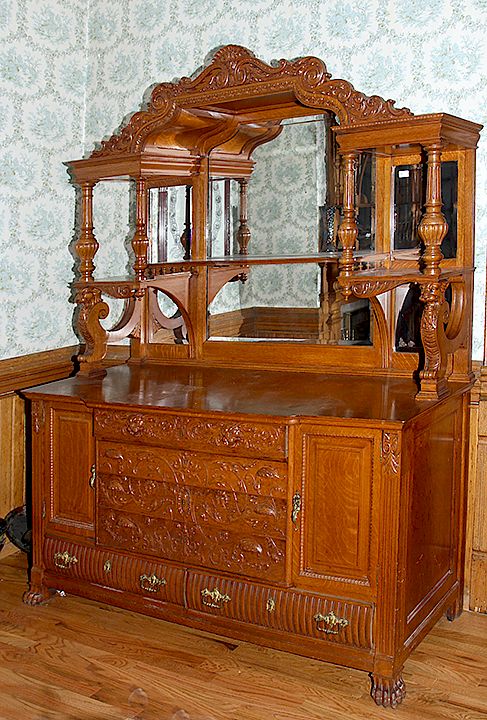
{"x": 285, "y": 208}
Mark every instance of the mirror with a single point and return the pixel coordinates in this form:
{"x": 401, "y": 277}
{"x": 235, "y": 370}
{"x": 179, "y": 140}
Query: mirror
{"x": 282, "y": 217}
{"x": 169, "y": 223}
{"x": 409, "y": 187}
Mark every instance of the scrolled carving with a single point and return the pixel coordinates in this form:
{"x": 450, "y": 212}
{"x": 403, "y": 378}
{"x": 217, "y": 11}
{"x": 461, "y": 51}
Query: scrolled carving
{"x": 367, "y": 288}
{"x": 235, "y": 72}
{"x": 259, "y": 438}
{"x": 194, "y": 543}
{"x": 390, "y": 452}
{"x": 435, "y": 315}
{"x": 38, "y": 412}
{"x": 92, "y": 310}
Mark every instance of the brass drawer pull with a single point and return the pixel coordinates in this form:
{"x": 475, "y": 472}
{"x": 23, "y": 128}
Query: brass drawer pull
{"x": 214, "y": 598}
{"x": 270, "y": 605}
{"x": 151, "y": 583}
{"x": 64, "y": 560}
{"x": 296, "y": 506}
{"x": 107, "y": 566}
{"x": 332, "y": 623}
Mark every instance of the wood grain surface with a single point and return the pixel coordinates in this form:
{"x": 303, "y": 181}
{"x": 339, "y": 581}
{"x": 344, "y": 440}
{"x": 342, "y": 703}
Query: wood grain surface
{"x": 76, "y": 659}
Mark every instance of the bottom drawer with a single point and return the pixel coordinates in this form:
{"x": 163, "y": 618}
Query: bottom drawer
{"x": 114, "y": 570}
{"x": 326, "y": 618}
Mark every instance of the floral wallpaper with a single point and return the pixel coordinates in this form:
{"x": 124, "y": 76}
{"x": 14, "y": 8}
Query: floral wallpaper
{"x": 69, "y": 72}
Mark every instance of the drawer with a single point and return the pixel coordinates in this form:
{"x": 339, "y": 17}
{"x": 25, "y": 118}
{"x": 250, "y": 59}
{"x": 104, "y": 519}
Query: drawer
{"x": 109, "y": 569}
{"x": 328, "y": 619}
{"x": 194, "y": 543}
{"x": 150, "y": 465}
{"x": 254, "y": 439}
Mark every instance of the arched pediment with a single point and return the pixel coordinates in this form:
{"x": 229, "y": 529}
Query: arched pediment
{"x": 237, "y": 85}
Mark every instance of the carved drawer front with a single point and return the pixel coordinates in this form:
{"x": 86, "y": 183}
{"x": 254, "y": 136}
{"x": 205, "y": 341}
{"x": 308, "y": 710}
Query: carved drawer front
{"x": 326, "y": 619}
{"x": 110, "y": 569}
{"x": 255, "y": 439}
{"x": 220, "y": 512}
{"x": 193, "y": 544}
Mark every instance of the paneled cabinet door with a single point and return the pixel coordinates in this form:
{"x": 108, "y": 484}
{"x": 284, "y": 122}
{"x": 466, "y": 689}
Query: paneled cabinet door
{"x": 335, "y": 509}
{"x": 68, "y": 504}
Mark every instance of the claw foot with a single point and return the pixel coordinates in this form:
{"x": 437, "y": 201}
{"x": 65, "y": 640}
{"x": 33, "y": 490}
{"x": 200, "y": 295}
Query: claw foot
{"x": 36, "y": 596}
{"x": 387, "y": 692}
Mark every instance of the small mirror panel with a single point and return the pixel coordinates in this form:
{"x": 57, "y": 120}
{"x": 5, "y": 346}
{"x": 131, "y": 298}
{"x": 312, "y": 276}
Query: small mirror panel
{"x": 169, "y": 223}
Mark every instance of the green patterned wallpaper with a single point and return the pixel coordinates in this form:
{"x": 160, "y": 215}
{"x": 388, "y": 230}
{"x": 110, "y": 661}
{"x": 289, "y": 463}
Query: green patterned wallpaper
{"x": 68, "y": 76}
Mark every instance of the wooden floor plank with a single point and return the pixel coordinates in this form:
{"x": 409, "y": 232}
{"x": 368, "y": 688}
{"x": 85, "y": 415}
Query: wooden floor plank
{"x": 74, "y": 659}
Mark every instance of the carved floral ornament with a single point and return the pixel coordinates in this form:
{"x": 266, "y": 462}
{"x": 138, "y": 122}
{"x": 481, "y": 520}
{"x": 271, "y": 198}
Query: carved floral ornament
{"x": 235, "y": 73}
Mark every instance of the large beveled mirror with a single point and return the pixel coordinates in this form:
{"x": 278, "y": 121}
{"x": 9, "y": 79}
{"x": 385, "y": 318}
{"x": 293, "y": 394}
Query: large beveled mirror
{"x": 280, "y": 217}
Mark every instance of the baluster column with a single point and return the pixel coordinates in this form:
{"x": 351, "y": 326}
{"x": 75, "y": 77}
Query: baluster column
{"x": 87, "y": 244}
{"x": 433, "y": 226}
{"x": 140, "y": 242}
{"x": 243, "y": 233}
{"x": 348, "y": 230}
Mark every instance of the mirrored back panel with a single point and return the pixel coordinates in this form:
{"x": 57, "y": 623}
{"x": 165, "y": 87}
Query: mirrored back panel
{"x": 169, "y": 225}
{"x": 285, "y": 302}
{"x": 287, "y": 201}
{"x": 409, "y": 192}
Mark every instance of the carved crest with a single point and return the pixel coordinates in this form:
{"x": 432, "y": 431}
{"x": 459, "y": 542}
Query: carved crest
{"x": 235, "y": 73}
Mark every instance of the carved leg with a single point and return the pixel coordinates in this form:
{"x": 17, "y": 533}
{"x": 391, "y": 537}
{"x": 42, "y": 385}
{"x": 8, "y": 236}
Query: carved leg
{"x": 37, "y": 593}
{"x": 387, "y": 692}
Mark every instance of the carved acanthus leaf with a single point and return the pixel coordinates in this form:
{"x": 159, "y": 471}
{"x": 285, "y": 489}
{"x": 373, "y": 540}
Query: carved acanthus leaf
{"x": 390, "y": 452}
{"x": 235, "y": 72}
{"x": 263, "y": 439}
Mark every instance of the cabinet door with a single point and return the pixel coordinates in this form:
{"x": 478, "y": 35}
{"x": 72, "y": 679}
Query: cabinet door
{"x": 70, "y": 502}
{"x": 335, "y": 515}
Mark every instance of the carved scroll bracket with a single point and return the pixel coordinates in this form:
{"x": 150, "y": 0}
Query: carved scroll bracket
{"x": 91, "y": 310}
{"x": 433, "y": 321}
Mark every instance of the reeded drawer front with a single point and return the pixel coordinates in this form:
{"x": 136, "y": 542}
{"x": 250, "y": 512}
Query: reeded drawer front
{"x": 110, "y": 569}
{"x": 327, "y": 619}
{"x": 264, "y": 440}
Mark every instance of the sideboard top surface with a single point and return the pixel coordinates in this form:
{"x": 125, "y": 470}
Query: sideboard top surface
{"x": 248, "y": 392}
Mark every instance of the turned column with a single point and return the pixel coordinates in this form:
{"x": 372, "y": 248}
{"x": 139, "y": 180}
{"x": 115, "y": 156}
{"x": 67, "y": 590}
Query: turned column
{"x": 140, "y": 242}
{"x": 87, "y": 245}
{"x": 243, "y": 233}
{"x": 433, "y": 226}
{"x": 348, "y": 230}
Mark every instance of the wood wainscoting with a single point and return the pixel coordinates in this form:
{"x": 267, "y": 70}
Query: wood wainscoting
{"x": 476, "y": 552}
{"x": 17, "y": 374}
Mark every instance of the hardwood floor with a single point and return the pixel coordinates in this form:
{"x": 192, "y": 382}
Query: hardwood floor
{"x": 74, "y": 659}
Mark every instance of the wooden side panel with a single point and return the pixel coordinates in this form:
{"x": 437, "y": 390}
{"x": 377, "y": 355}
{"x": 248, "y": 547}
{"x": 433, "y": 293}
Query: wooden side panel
{"x": 434, "y": 522}
{"x": 70, "y": 467}
{"x": 338, "y": 468}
